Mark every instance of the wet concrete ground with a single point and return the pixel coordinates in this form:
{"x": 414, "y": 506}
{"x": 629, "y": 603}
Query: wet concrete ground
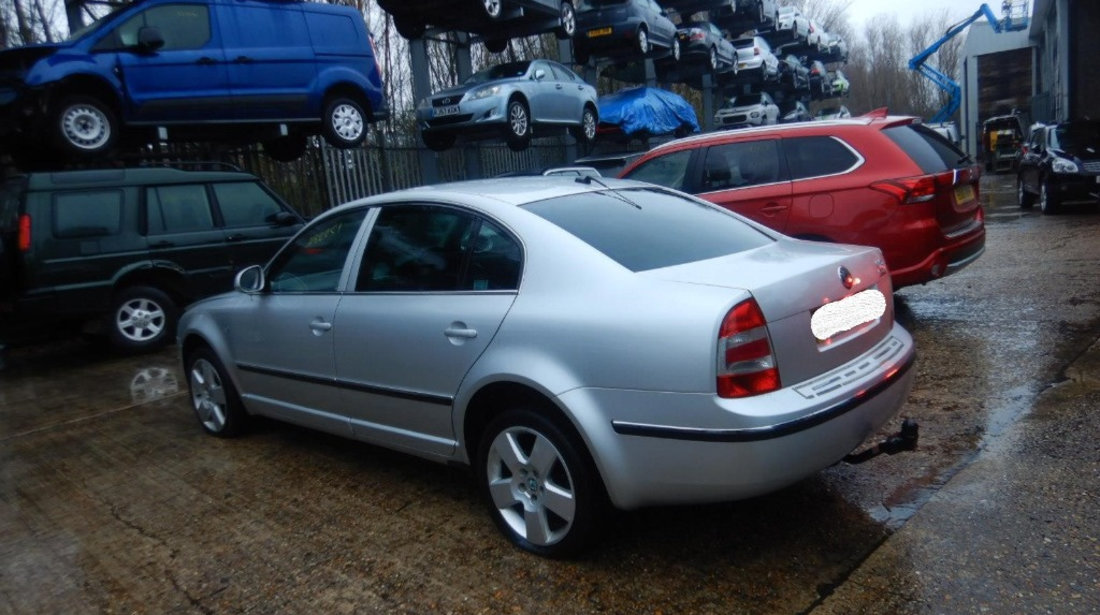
{"x": 113, "y": 501}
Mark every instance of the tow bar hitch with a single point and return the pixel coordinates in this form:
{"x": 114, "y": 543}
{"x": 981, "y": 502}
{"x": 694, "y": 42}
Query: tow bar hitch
{"x": 904, "y": 440}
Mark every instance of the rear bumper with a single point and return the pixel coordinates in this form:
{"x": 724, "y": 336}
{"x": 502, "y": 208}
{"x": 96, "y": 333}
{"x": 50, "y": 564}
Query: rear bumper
{"x": 656, "y": 448}
{"x": 952, "y": 257}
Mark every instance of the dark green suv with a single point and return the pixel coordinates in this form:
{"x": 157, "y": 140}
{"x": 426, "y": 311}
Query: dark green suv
{"x": 121, "y": 251}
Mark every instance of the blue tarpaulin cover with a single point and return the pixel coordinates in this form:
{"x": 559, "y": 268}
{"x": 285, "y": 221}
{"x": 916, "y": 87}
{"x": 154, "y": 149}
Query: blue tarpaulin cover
{"x": 649, "y": 110}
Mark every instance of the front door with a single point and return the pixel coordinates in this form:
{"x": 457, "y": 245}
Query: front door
{"x": 750, "y": 178}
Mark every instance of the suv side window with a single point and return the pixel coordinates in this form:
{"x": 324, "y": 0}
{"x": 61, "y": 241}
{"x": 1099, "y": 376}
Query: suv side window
{"x": 87, "y": 214}
{"x": 742, "y": 164}
{"x": 178, "y": 209}
{"x": 416, "y": 248}
{"x": 183, "y": 26}
{"x": 245, "y": 204}
{"x": 315, "y": 260}
{"x": 669, "y": 170}
{"x": 817, "y": 156}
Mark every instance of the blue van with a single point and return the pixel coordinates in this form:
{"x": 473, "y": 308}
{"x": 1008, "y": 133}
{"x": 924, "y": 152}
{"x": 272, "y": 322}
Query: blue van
{"x": 251, "y": 70}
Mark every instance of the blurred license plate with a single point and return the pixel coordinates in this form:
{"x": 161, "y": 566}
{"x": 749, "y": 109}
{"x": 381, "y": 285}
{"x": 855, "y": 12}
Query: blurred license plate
{"x": 444, "y": 111}
{"x": 964, "y": 193}
{"x": 847, "y": 314}
{"x": 599, "y": 32}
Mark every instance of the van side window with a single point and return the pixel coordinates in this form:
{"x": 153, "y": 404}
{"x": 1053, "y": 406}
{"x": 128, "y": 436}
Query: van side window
{"x": 183, "y": 26}
{"x": 178, "y": 209}
{"x": 87, "y": 214}
{"x": 245, "y": 204}
{"x": 817, "y": 156}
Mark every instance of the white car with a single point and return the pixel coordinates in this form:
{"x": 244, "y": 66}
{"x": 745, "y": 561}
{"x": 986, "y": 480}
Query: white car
{"x": 756, "y": 62}
{"x": 748, "y": 110}
{"x": 791, "y": 24}
{"x": 817, "y": 39}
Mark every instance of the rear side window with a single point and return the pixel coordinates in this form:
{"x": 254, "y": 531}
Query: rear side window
{"x": 178, "y": 209}
{"x": 9, "y": 204}
{"x": 87, "y": 214}
{"x": 927, "y": 148}
{"x": 742, "y": 164}
{"x": 669, "y": 170}
{"x": 245, "y": 204}
{"x": 649, "y": 229}
{"x": 817, "y": 156}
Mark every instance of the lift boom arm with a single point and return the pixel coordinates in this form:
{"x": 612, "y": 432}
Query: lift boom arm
{"x": 1015, "y": 18}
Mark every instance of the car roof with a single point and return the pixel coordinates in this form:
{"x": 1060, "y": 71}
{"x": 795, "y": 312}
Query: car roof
{"x": 127, "y": 177}
{"x": 824, "y": 126}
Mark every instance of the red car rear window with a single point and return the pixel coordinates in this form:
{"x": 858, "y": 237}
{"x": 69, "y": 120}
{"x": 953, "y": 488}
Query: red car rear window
{"x": 927, "y": 148}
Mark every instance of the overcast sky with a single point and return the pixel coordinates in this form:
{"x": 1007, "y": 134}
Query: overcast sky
{"x": 863, "y": 11}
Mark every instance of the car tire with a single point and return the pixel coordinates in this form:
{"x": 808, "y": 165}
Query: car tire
{"x": 1025, "y": 198}
{"x": 344, "y": 123}
{"x": 85, "y": 127}
{"x": 586, "y": 132}
{"x": 214, "y": 398}
{"x": 1048, "y": 199}
{"x": 438, "y": 141}
{"x": 643, "y": 41}
{"x": 567, "y": 21}
{"x": 674, "y": 50}
{"x": 542, "y": 489}
{"x": 493, "y": 8}
{"x": 496, "y": 45}
{"x": 286, "y": 149}
{"x": 142, "y": 318}
{"x": 410, "y": 28}
{"x": 518, "y": 126}
{"x": 714, "y": 59}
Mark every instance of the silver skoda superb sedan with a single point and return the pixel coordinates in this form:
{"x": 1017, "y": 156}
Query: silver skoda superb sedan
{"x": 577, "y": 344}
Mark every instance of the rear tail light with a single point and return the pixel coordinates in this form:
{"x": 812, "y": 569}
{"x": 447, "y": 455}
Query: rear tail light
{"x": 24, "y": 233}
{"x": 920, "y": 189}
{"x": 755, "y": 51}
{"x": 697, "y": 35}
{"x": 746, "y": 365}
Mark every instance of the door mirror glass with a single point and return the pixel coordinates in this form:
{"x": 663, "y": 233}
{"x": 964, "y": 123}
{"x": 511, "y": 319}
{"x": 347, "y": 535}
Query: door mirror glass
{"x": 250, "y": 280}
{"x": 540, "y": 74}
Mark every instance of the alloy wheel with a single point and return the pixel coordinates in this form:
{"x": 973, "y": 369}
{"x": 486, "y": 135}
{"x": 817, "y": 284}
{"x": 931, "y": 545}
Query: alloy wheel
{"x": 208, "y": 396}
{"x": 140, "y": 320}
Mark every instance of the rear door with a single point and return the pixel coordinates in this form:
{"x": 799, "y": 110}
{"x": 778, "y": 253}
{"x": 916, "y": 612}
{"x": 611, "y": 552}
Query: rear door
{"x": 434, "y": 284}
{"x": 183, "y": 235}
{"x": 10, "y": 192}
{"x": 748, "y": 177}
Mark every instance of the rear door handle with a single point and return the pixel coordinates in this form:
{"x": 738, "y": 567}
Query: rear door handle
{"x": 243, "y": 59}
{"x": 461, "y": 332}
{"x": 773, "y": 208}
{"x": 320, "y": 326}
{"x": 236, "y": 237}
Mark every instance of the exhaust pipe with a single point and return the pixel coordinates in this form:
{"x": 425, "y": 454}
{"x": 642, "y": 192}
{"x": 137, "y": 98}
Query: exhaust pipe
{"x": 904, "y": 440}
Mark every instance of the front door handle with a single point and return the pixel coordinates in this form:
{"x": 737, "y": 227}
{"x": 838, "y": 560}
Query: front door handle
{"x": 236, "y": 237}
{"x": 320, "y": 326}
{"x": 460, "y": 332}
{"x": 243, "y": 59}
{"x": 206, "y": 60}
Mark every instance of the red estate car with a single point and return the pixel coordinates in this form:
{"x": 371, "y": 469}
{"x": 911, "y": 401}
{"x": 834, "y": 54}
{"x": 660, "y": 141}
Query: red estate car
{"x": 884, "y": 181}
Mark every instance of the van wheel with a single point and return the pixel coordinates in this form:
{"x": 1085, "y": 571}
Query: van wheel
{"x": 214, "y": 399}
{"x": 543, "y": 492}
{"x": 518, "y": 134}
{"x": 142, "y": 318}
{"x": 86, "y": 127}
{"x": 568, "y": 21}
{"x": 286, "y": 149}
{"x": 344, "y": 123}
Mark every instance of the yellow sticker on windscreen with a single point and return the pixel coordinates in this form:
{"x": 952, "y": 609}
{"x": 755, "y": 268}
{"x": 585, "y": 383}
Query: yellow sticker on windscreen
{"x": 847, "y": 314}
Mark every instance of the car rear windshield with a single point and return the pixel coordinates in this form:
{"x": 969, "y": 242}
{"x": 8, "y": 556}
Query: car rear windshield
{"x": 928, "y": 148}
{"x": 644, "y": 229}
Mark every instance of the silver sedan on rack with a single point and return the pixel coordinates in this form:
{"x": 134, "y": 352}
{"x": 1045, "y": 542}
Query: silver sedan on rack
{"x": 577, "y": 343}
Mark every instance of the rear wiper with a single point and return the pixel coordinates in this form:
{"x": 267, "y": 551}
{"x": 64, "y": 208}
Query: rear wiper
{"x": 965, "y": 159}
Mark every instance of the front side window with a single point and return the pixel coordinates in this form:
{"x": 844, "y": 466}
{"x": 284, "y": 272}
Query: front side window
{"x": 178, "y": 209}
{"x": 183, "y": 26}
{"x": 315, "y": 259}
{"x": 669, "y": 170}
{"x": 245, "y": 204}
{"x": 87, "y": 214}
{"x": 742, "y": 164}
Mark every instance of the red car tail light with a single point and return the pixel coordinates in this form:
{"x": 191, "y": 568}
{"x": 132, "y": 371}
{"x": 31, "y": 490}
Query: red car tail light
{"x": 24, "y": 233}
{"x": 746, "y": 365}
{"x": 909, "y": 189}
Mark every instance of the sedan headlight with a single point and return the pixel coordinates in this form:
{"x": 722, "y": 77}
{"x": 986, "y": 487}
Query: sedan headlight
{"x": 485, "y": 92}
{"x": 1061, "y": 165}
{"x": 754, "y": 114}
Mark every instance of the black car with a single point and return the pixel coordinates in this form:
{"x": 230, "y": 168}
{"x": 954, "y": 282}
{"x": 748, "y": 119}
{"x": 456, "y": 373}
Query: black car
{"x": 623, "y": 29}
{"x": 1061, "y": 162}
{"x": 122, "y": 251}
{"x": 702, "y": 41}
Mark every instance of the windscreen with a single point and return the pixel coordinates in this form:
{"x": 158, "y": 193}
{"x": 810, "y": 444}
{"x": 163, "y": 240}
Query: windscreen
{"x": 501, "y": 71}
{"x": 643, "y": 229}
{"x": 1078, "y": 136}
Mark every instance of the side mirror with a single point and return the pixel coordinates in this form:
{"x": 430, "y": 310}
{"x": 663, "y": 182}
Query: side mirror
{"x": 250, "y": 280}
{"x": 283, "y": 218}
{"x": 540, "y": 74}
{"x": 149, "y": 39}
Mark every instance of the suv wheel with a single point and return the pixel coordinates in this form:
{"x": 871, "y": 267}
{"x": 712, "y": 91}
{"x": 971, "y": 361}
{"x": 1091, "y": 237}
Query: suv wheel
{"x": 519, "y": 126}
{"x": 1048, "y": 200}
{"x": 344, "y": 123}
{"x": 1025, "y": 198}
{"x": 86, "y": 127}
{"x": 542, "y": 491}
{"x": 568, "y": 21}
{"x": 142, "y": 318}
